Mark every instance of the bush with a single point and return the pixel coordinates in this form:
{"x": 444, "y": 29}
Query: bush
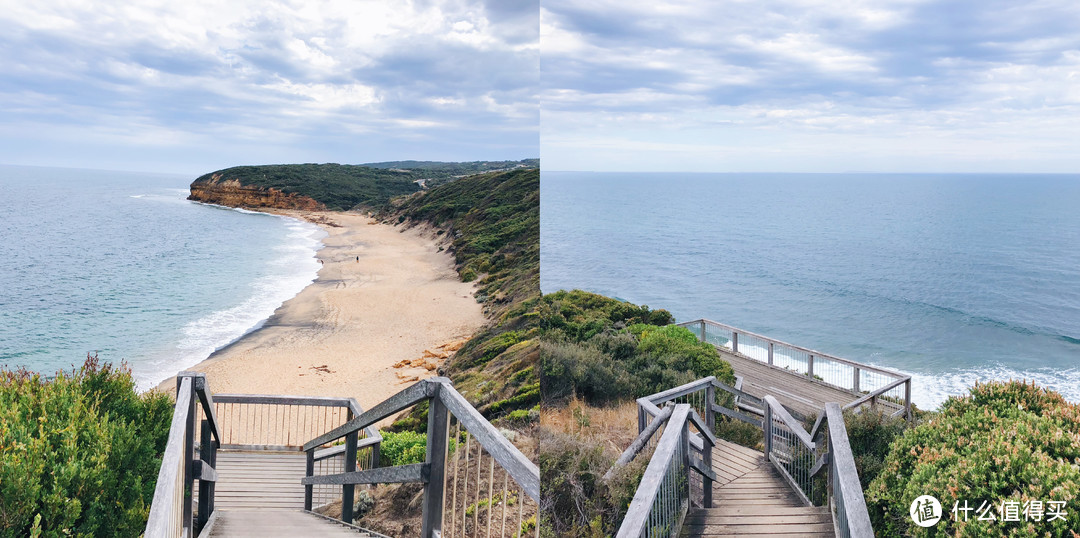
{"x": 575, "y": 499}
{"x": 405, "y": 447}
{"x": 870, "y": 434}
{"x": 81, "y": 452}
{"x": 1003, "y": 442}
{"x": 402, "y": 448}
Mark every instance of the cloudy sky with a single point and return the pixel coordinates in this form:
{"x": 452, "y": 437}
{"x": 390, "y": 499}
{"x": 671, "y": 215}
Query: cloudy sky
{"x": 198, "y": 85}
{"x": 811, "y": 85}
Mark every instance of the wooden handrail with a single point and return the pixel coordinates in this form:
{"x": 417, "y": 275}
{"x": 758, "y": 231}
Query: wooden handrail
{"x": 856, "y": 517}
{"x": 637, "y": 514}
{"x": 443, "y": 401}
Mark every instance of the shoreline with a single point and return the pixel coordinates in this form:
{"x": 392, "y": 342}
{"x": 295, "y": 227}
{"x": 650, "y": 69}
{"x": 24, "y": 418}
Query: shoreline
{"x": 386, "y": 308}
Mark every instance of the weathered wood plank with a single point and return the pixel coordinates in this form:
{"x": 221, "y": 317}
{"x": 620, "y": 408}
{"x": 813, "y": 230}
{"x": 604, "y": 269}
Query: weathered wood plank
{"x": 416, "y": 472}
{"x": 406, "y": 398}
{"x": 520, "y": 469}
{"x": 165, "y": 501}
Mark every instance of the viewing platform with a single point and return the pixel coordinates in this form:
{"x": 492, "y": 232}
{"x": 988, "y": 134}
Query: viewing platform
{"x": 266, "y": 466}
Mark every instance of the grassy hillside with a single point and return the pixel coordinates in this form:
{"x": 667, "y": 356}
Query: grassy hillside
{"x": 492, "y": 223}
{"x": 337, "y": 186}
{"x": 342, "y": 187}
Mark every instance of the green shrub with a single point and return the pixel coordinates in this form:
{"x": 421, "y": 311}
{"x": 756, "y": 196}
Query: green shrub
{"x": 1003, "y": 442}
{"x": 402, "y": 448}
{"x": 870, "y": 434}
{"x": 79, "y": 453}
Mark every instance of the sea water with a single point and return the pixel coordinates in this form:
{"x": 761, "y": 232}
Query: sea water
{"x": 952, "y": 278}
{"x": 122, "y": 265}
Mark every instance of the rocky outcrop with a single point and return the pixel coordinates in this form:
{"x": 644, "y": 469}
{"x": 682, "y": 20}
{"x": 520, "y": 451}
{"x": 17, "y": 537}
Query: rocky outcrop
{"x": 230, "y": 192}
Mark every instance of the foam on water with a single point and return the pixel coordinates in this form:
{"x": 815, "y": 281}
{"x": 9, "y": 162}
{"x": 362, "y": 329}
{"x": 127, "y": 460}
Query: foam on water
{"x": 294, "y": 268}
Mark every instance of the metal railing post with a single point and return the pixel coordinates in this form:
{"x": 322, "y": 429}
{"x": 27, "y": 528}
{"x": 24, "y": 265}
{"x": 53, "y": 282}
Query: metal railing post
{"x": 438, "y": 433}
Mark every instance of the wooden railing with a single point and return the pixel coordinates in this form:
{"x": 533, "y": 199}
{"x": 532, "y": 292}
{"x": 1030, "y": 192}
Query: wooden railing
{"x": 665, "y": 492}
{"x": 454, "y": 504}
{"x": 796, "y": 453}
{"x": 285, "y": 423}
{"x": 171, "y": 512}
{"x": 871, "y": 385}
{"x": 243, "y": 422}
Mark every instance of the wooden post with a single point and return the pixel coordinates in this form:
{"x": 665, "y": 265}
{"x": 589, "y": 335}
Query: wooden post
{"x": 685, "y": 440}
{"x": 348, "y": 491}
{"x": 770, "y": 352}
{"x": 310, "y": 471}
{"x": 206, "y": 491}
{"x": 641, "y": 420}
{"x": 187, "y": 521}
{"x": 734, "y": 341}
{"x": 810, "y": 366}
{"x": 767, "y": 425}
{"x": 437, "y": 442}
{"x": 703, "y": 339}
{"x": 907, "y": 399}
{"x": 710, "y": 422}
{"x": 856, "y": 384}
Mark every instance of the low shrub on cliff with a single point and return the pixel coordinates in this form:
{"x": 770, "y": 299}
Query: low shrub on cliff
{"x": 588, "y": 349}
{"x": 1003, "y": 443}
{"x": 79, "y": 453}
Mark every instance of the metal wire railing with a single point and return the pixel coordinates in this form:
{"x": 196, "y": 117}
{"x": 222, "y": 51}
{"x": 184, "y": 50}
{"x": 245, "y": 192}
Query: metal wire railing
{"x": 474, "y": 478}
{"x": 663, "y": 495}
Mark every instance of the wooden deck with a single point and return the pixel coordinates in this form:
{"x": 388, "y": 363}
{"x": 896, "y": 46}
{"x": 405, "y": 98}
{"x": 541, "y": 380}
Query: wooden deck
{"x": 258, "y": 494}
{"x": 276, "y": 523}
{"x": 797, "y": 392}
{"x": 750, "y": 498}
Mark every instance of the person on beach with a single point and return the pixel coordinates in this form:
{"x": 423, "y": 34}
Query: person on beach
{"x": 358, "y": 259}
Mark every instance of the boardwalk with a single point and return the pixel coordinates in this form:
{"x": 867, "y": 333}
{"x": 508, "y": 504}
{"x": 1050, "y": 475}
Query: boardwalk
{"x": 750, "y": 498}
{"x": 797, "y": 392}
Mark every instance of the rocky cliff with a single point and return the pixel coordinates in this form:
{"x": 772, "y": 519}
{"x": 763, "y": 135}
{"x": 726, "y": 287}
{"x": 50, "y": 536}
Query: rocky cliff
{"x": 230, "y": 192}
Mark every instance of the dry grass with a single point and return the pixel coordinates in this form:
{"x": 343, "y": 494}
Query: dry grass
{"x": 614, "y": 425}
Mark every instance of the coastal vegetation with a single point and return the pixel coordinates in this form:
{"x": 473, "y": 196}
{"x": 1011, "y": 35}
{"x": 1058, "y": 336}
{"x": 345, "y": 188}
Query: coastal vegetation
{"x": 1005, "y": 444}
{"x": 491, "y": 223}
{"x": 597, "y": 355}
{"x": 79, "y": 453}
{"x": 341, "y": 187}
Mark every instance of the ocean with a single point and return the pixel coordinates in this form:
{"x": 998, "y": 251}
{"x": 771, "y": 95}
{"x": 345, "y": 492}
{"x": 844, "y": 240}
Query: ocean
{"x": 952, "y": 278}
{"x": 120, "y": 264}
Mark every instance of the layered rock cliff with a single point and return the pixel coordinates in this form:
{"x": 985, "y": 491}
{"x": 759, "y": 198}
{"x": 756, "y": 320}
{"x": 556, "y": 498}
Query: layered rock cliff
{"x": 230, "y": 192}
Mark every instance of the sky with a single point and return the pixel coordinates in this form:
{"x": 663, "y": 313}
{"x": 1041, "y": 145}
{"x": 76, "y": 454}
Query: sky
{"x": 810, "y": 85}
{"x": 199, "y": 85}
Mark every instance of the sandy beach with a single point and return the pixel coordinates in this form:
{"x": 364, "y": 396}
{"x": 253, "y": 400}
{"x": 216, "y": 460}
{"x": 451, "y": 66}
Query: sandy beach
{"x": 385, "y": 296}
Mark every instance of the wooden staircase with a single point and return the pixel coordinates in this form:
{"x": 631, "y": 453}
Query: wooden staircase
{"x": 751, "y": 499}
